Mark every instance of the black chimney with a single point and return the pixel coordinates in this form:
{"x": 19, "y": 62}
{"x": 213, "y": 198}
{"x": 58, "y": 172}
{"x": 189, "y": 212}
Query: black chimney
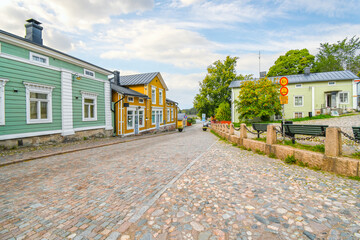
{"x": 117, "y": 78}
{"x": 34, "y": 31}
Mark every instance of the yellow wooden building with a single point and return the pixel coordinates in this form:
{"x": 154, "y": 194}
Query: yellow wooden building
{"x": 140, "y": 104}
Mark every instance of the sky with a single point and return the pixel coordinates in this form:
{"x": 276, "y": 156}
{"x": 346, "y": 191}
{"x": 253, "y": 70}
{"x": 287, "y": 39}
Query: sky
{"x": 181, "y": 38}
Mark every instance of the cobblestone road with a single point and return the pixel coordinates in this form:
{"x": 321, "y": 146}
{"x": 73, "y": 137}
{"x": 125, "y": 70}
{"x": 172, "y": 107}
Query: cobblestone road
{"x": 227, "y": 193}
{"x": 92, "y": 193}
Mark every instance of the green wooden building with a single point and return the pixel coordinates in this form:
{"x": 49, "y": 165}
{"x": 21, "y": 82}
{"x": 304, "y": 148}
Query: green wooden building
{"x": 314, "y": 94}
{"x": 46, "y": 95}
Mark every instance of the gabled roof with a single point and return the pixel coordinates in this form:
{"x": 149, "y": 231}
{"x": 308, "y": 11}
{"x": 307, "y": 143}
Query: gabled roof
{"x": 126, "y": 91}
{"x": 141, "y": 79}
{"x": 168, "y": 100}
{"x": 51, "y": 49}
{"x": 312, "y": 77}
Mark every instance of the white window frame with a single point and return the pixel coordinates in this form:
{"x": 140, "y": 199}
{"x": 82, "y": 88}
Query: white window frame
{"x": 141, "y": 100}
{"x": 86, "y": 71}
{"x": 3, "y": 82}
{"x": 153, "y": 122}
{"x": 161, "y": 102}
{"x": 348, "y": 94}
{"x": 168, "y": 115}
{"x": 129, "y": 97}
{"x": 32, "y": 54}
{"x": 92, "y": 96}
{"x": 302, "y": 101}
{"x": 153, "y": 98}
{"x": 302, "y": 114}
{"x": 143, "y": 115}
{"x": 133, "y": 118}
{"x": 172, "y": 114}
{"x": 298, "y": 85}
{"x": 38, "y": 88}
{"x": 333, "y": 83}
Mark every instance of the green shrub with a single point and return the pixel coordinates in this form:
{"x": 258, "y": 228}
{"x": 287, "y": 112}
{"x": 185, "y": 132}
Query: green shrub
{"x": 272, "y": 155}
{"x": 242, "y": 147}
{"x": 356, "y": 155}
{"x": 290, "y": 160}
{"x": 302, "y": 164}
{"x": 259, "y": 152}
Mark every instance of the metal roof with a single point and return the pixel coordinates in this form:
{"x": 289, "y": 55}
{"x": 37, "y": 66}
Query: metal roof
{"x": 140, "y": 79}
{"x": 127, "y": 91}
{"x": 312, "y": 77}
{"x": 43, "y": 46}
{"x": 168, "y": 100}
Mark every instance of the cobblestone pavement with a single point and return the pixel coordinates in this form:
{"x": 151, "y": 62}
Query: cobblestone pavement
{"x": 92, "y": 194}
{"x": 230, "y": 193}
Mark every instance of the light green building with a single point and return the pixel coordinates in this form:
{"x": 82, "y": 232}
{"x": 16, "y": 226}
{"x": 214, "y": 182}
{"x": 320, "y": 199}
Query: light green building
{"x": 44, "y": 92}
{"x": 314, "y": 94}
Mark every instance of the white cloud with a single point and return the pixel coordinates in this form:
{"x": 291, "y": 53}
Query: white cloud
{"x": 151, "y": 40}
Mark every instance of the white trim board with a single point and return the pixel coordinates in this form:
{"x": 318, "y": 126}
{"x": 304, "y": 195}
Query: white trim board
{"x": 30, "y": 134}
{"x": 88, "y": 128}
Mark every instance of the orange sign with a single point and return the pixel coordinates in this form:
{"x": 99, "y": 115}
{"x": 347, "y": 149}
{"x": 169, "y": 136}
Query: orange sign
{"x": 284, "y": 99}
{"x": 284, "y": 91}
{"x": 284, "y": 81}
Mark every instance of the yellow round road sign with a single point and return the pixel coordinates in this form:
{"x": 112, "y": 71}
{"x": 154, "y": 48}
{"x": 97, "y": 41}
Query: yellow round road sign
{"x": 284, "y": 91}
{"x": 284, "y": 81}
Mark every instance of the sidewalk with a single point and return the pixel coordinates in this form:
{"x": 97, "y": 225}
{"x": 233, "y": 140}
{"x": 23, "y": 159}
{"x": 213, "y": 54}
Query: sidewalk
{"x": 24, "y": 154}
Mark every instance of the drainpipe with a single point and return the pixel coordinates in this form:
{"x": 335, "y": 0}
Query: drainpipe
{"x": 113, "y": 110}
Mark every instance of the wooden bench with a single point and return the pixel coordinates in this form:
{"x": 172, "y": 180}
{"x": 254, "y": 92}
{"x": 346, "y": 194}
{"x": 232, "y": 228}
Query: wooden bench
{"x": 312, "y": 130}
{"x": 260, "y": 128}
{"x": 356, "y": 131}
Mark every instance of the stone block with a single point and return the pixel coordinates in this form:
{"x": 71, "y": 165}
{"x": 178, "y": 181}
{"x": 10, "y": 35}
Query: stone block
{"x": 253, "y": 144}
{"x": 346, "y": 166}
{"x": 282, "y": 152}
{"x": 333, "y": 143}
{"x": 313, "y": 159}
{"x": 271, "y": 134}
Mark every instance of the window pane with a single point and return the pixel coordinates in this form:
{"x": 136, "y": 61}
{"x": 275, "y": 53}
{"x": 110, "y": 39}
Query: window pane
{"x": 87, "y": 100}
{"x": 44, "y": 110}
{"x": 130, "y": 119}
{"x": 92, "y": 111}
{"x": 41, "y": 96}
{"x": 33, "y": 110}
{"x": 32, "y": 95}
{"x": 153, "y": 116}
{"x": 86, "y": 111}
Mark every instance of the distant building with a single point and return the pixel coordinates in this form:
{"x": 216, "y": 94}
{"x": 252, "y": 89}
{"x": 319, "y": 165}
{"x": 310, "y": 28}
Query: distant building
{"x": 314, "y": 93}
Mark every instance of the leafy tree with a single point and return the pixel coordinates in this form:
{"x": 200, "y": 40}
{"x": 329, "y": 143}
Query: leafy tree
{"x": 343, "y": 55}
{"x": 293, "y": 62}
{"x": 214, "y": 89}
{"x": 223, "y": 112}
{"x": 258, "y": 98}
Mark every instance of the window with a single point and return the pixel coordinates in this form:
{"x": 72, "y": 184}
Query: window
{"x": 331, "y": 83}
{"x": 161, "y": 117}
{"x": 34, "y": 57}
{"x": 344, "y": 97}
{"x": 130, "y": 99}
{"x": 298, "y": 115}
{"x": 141, "y": 118}
{"x": 89, "y": 73}
{"x": 160, "y": 97}
{"x": 2, "y": 100}
{"x": 141, "y": 100}
{"x": 38, "y": 103}
{"x": 153, "y": 95}
{"x": 130, "y": 119}
{"x": 277, "y": 117}
{"x": 153, "y": 117}
{"x": 298, "y": 101}
{"x": 89, "y": 106}
{"x": 172, "y": 114}
{"x": 168, "y": 115}
{"x": 298, "y": 85}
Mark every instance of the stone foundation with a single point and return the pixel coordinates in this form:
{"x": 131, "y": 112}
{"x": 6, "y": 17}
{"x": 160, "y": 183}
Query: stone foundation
{"x": 54, "y": 138}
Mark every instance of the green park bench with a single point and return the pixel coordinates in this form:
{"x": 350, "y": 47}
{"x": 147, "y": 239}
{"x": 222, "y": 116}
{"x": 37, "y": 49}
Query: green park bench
{"x": 312, "y": 130}
{"x": 260, "y": 128}
{"x": 356, "y": 131}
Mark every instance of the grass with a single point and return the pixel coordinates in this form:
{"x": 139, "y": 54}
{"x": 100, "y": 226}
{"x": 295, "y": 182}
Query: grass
{"x": 261, "y": 139}
{"x": 259, "y": 152}
{"x": 272, "y": 155}
{"x": 354, "y": 178}
{"x": 221, "y": 138}
{"x": 315, "y": 148}
{"x": 290, "y": 160}
{"x": 356, "y": 155}
{"x": 302, "y": 164}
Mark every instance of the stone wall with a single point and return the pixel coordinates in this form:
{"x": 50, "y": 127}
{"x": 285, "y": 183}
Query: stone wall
{"x": 331, "y": 161}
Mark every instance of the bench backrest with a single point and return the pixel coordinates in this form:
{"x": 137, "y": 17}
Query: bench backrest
{"x": 356, "y": 131}
{"x": 313, "y": 130}
{"x": 260, "y": 126}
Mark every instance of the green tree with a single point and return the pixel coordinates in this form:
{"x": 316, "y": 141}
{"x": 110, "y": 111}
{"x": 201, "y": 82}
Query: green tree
{"x": 343, "y": 55}
{"x": 214, "y": 89}
{"x": 258, "y": 99}
{"x": 223, "y": 112}
{"x": 293, "y": 62}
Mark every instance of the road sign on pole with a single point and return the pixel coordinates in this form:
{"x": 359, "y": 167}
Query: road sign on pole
{"x": 284, "y": 81}
{"x": 284, "y": 91}
{"x": 284, "y": 99}
{"x": 203, "y": 117}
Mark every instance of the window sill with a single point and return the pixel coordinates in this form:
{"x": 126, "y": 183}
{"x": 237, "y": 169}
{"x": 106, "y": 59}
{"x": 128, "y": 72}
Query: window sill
{"x": 89, "y": 120}
{"x": 38, "y": 121}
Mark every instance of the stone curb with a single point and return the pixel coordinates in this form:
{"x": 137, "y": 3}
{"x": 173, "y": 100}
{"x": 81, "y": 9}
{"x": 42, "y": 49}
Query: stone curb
{"x": 3, "y": 164}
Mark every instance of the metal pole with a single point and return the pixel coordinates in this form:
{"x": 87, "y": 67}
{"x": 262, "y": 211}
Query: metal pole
{"x": 283, "y": 128}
